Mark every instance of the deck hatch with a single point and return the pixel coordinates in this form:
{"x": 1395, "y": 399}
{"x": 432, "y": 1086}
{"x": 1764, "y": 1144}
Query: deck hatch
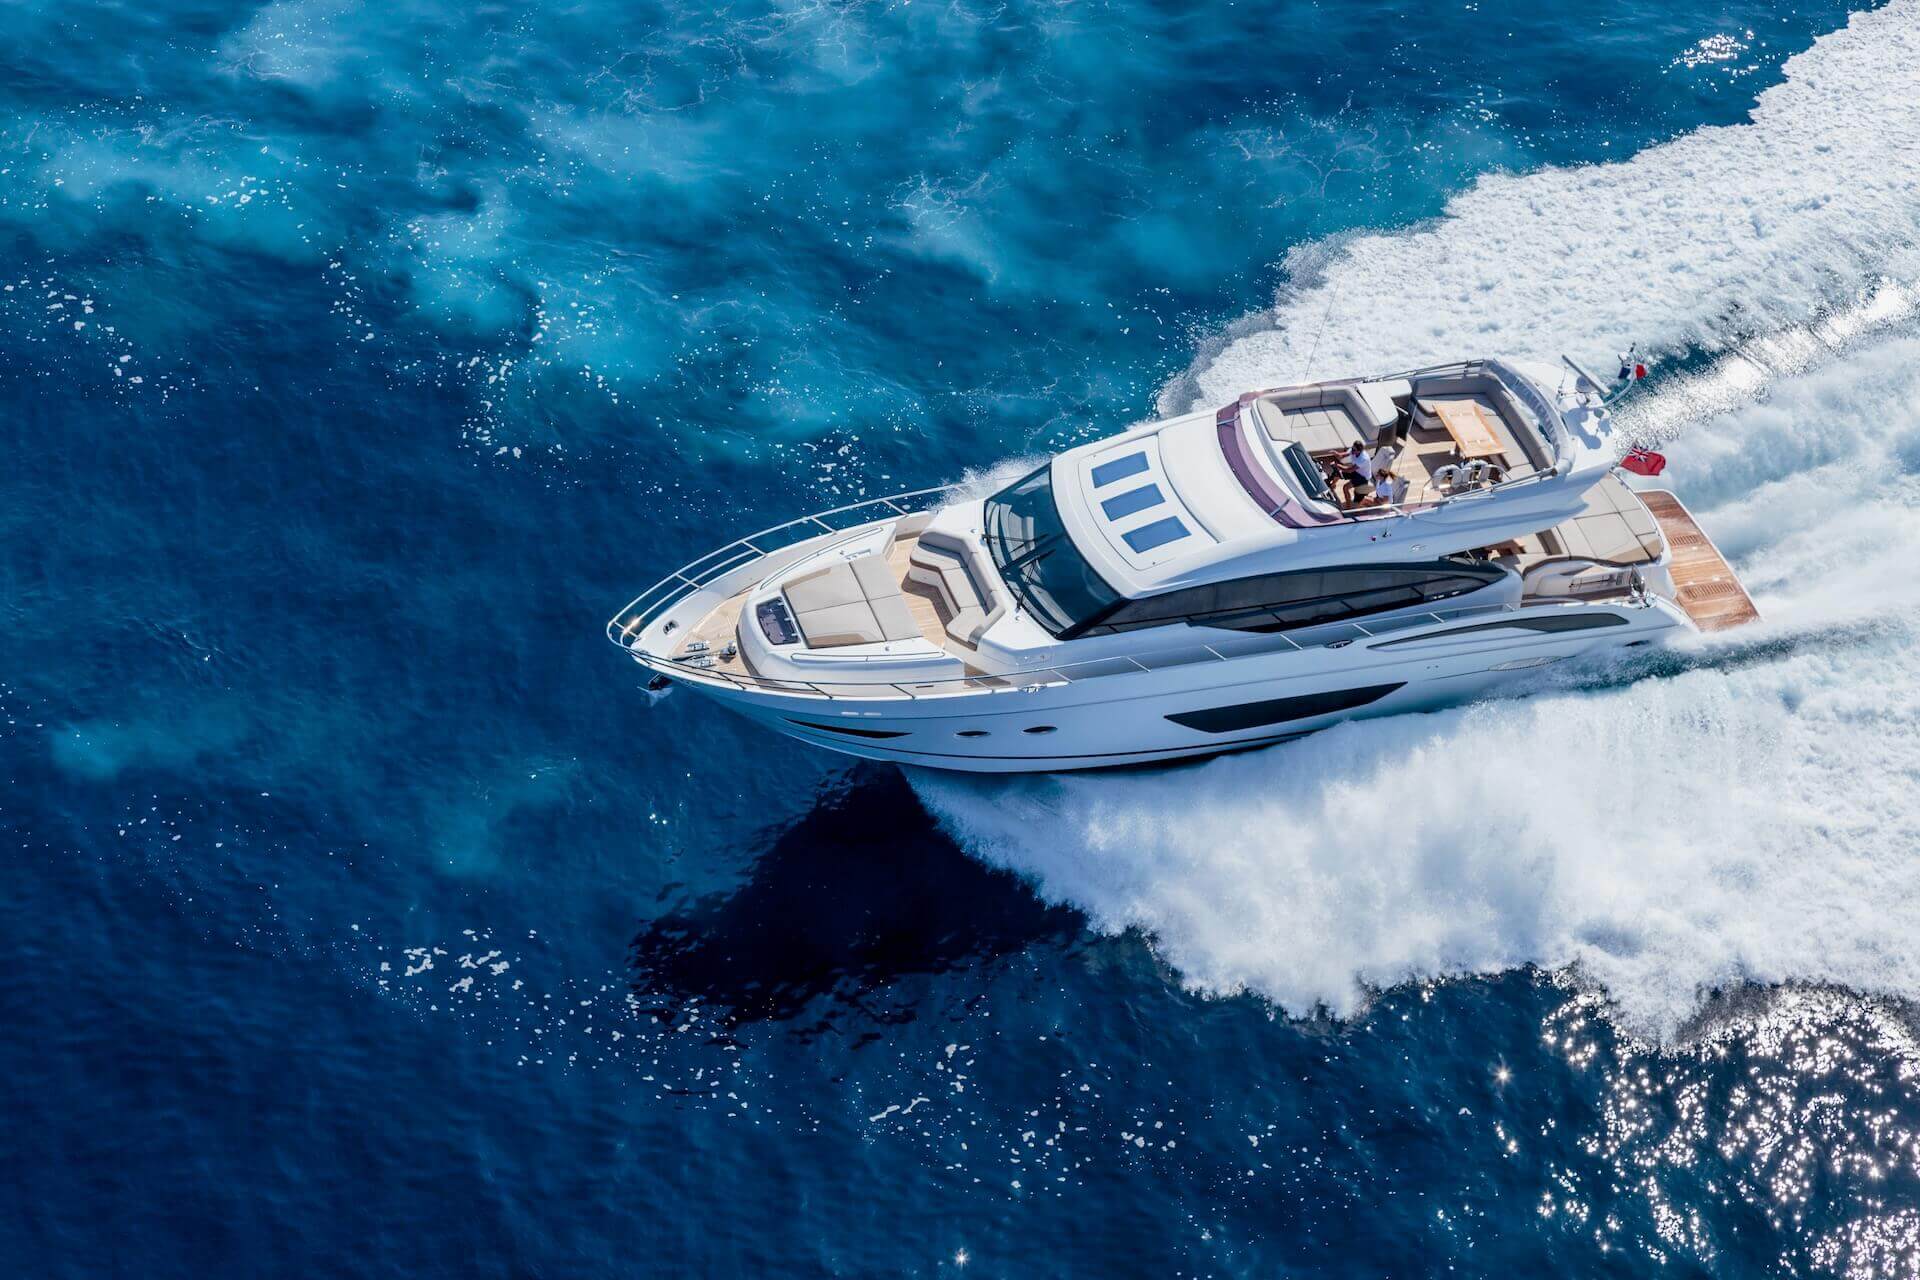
{"x": 1119, "y": 469}
{"x": 1122, "y": 505}
{"x": 1157, "y": 534}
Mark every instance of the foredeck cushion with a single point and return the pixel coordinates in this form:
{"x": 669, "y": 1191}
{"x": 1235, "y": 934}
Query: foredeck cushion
{"x": 828, "y": 588}
{"x": 850, "y": 602}
{"x": 839, "y": 625}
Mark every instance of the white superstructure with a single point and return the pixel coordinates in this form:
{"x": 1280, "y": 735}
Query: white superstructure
{"x": 1196, "y": 585}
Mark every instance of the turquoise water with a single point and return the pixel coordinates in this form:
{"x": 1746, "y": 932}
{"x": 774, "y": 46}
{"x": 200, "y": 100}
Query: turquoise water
{"x": 367, "y": 918}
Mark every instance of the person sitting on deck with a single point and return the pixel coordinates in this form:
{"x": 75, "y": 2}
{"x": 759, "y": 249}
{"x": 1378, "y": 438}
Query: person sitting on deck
{"x": 1355, "y": 470}
{"x": 1383, "y": 486}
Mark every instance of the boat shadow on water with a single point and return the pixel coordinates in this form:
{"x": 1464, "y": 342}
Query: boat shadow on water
{"x": 862, "y": 893}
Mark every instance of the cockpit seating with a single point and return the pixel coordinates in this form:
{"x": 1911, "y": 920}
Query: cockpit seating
{"x": 943, "y": 564}
{"x": 1494, "y": 399}
{"x": 1322, "y": 419}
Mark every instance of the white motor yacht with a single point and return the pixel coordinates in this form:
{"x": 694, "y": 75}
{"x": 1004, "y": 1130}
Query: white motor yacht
{"x": 1197, "y": 585}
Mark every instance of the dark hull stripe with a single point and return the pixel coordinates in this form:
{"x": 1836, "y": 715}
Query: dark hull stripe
{"x": 1249, "y": 715}
{"x": 1199, "y": 748}
{"x": 849, "y": 730}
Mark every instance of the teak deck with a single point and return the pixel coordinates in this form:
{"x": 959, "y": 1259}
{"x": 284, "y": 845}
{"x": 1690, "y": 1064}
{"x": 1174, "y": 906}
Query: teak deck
{"x": 1704, "y": 584}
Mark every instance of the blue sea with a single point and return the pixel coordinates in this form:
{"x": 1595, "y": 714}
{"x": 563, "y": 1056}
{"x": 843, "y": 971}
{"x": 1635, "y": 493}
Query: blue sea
{"x": 364, "y": 916}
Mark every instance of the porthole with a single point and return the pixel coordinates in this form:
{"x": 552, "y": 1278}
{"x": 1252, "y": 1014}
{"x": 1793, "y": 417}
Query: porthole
{"x": 1039, "y": 728}
{"x": 971, "y": 733}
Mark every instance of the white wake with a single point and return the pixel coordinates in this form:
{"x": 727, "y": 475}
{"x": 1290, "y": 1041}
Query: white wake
{"x": 1722, "y": 234}
{"x": 1752, "y": 815}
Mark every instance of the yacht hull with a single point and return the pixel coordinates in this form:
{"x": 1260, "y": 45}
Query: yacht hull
{"x": 1209, "y": 708}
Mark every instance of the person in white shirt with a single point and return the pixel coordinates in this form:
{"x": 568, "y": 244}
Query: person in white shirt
{"x": 1356, "y": 469}
{"x": 1383, "y": 482}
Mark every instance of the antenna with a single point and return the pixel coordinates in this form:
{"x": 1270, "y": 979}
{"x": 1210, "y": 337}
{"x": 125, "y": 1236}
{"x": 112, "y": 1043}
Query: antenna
{"x": 1314, "y": 350}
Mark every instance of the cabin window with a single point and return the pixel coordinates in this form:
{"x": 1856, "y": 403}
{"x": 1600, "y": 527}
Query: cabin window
{"x": 1282, "y": 601}
{"x": 1256, "y": 715}
{"x": 852, "y": 731}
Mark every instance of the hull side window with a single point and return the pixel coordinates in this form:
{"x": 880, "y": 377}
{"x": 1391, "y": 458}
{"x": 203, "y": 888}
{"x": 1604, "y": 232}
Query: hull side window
{"x": 1253, "y": 715}
{"x": 1575, "y": 622}
{"x": 1280, "y": 601}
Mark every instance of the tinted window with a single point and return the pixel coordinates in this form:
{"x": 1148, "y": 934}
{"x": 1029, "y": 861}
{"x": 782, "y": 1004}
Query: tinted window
{"x": 1255, "y": 593}
{"x": 1037, "y": 559}
{"x": 1280, "y": 601}
{"x": 1253, "y": 715}
{"x": 1307, "y": 472}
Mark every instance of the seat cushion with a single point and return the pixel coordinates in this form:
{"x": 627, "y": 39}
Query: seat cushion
{"x": 935, "y": 556}
{"x": 1609, "y": 537}
{"x": 1324, "y": 428}
{"x": 959, "y": 587}
{"x": 854, "y": 601}
{"x": 931, "y": 579}
{"x": 824, "y": 588}
{"x": 894, "y": 618}
{"x": 839, "y": 625}
{"x": 947, "y": 572}
{"x": 875, "y": 577}
{"x": 967, "y": 625}
{"x": 1574, "y": 539}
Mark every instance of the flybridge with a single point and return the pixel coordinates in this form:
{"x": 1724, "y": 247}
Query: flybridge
{"x": 1270, "y": 481}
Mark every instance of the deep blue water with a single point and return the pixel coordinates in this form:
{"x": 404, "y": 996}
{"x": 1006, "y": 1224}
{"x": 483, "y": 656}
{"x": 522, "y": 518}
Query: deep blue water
{"x": 363, "y": 916}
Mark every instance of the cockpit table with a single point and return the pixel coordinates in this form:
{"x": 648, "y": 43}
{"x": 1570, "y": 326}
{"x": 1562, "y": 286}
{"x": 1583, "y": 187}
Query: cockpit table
{"x": 1466, "y": 421}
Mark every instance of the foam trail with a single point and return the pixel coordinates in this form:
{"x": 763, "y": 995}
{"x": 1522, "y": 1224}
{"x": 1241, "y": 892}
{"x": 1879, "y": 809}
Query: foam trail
{"x": 1717, "y": 236}
{"x": 1750, "y": 820}
{"x": 1743, "y": 374}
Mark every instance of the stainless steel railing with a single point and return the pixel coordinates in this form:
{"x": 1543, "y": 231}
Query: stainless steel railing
{"x": 626, "y": 626}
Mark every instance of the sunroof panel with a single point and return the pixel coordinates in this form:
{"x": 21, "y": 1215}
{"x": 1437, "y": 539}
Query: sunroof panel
{"x": 1119, "y": 469}
{"x": 1157, "y": 534}
{"x": 1125, "y": 504}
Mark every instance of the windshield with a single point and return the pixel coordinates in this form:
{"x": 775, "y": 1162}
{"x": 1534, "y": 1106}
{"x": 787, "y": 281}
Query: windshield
{"x": 1307, "y": 473}
{"x": 1038, "y": 560}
